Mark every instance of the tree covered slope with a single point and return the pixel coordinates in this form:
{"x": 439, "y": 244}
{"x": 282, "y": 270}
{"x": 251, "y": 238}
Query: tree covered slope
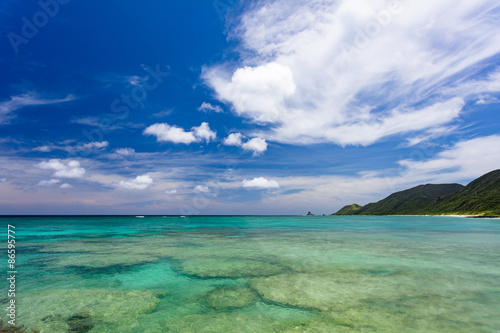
{"x": 481, "y": 196}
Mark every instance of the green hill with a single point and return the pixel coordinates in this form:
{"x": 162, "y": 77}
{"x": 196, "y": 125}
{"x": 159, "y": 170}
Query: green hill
{"x": 480, "y": 197}
{"x": 349, "y": 210}
{"x": 414, "y": 201}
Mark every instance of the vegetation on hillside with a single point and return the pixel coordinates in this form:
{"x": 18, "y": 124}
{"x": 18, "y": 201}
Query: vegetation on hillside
{"x": 480, "y": 197}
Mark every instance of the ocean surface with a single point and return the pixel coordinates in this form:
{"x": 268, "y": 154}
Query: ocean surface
{"x": 256, "y": 274}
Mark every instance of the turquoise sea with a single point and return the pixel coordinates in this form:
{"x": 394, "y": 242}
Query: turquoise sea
{"x": 256, "y": 274}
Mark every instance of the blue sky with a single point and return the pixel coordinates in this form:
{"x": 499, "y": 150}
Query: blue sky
{"x": 242, "y": 107}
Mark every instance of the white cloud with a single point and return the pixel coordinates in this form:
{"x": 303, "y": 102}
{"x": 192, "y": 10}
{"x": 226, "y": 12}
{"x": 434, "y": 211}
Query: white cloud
{"x": 207, "y": 107}
{"x": 23, "y": 100}
{"x": 48, "y": 183}
{"x": 2, "y": 180}
{"x": 466, "y": 159}
{"x": 169, "y": 133}
{"x": 352, "y": 72}
{"x": 171, "y": 192}
{"x": 431, "y": 134}
{"x": 94, "y": 145}
{"x": 489, "y": 84}
{"x": 166, "y": 133}
{"x": 125, "y": 151}
{"x": 70, "y": 169}
{"x": 460, "y": 163}
{"x": 105, "y": 123}
{"x": 66, "y": 185}
{"x": 135, "y": 80}
{"x": 368, "y": 132}
{"x": 70, "y": 147}
{"x": 484, "y": 100}
{"x": 43, "y": 149}
{"x": 163, "y": 113}
{"x": 203, "y": 132}
{"x": 260, "y": 183}
{"x": 201, "y": 189}
{"x": 139, "y": 183}
{"x": 257, "y": 145}
{"x": 233, "y": 139}
{"x": 258, "y": 92}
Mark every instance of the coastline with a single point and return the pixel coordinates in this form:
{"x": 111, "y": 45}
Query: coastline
{"x": 477, "y": 216}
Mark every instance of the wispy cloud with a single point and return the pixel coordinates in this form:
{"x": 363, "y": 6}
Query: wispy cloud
{"x": 7, "y": 108}
{"x": 70, "y": 147}
{"x": 322, "y": 191}
{"x": 354, "y": 72}
{"x": 125, "y": 151}
{"x": 431, "y": 134}
{"x": 49, "y": 182}
{"x": 105, "y": 123}
{"x": 163, "y": 113}
{"x": 465, "y": 159}
{"x": 207, "y": 107}
{"x": 201, "y": 189}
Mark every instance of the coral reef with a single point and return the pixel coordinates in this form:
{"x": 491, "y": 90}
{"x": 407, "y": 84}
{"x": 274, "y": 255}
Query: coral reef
{"x": 209, "y": 268}
{"x": 229, "y": 297}
{"x": 84, "y": 310}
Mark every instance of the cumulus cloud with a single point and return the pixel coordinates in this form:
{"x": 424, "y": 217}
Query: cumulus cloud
{"x": 203, "y": 132}
{"x": 171, "y": 133}
{"x": 63, "y": 169}
{"x": 171, "y": 192}
{"x": 207, "y": 107}
{"x": 166, "y": 133}
{"x": 352, "y": 72}
{"x": 260, "y": 183}
{"x": 258, "y": 92}
{"x": 138, "y": 183}
{"x": 24, "y": 100}
{"x": 233, "y": 139}
{"x": 65, "y": 186}
{"x": 47, "y": 183}
{"x": 256, "y": 145}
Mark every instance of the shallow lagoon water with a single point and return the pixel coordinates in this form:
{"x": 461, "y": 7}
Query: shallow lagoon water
{"x": 258, "y": 274}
